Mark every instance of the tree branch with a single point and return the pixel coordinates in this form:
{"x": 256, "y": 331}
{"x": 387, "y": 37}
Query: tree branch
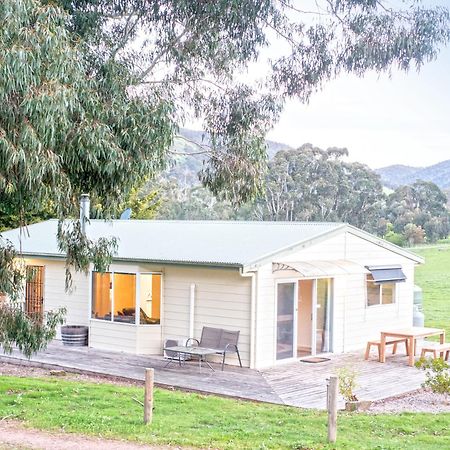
{"x": 161, "y": 53}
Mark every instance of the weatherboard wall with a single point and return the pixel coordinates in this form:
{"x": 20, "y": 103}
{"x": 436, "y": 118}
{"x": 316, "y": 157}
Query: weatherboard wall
{"x": 353, "y": 322}
{"x": 56, "y": 296}
{"x": 222, "y": 300}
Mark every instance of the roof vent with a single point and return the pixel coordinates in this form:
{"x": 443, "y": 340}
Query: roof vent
{"x": 126, "y": 215}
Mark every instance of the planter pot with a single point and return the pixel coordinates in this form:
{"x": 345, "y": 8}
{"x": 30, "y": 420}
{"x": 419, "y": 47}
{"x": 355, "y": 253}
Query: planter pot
{"x": 360, "y": 405}
{"x": 74, "y": 335}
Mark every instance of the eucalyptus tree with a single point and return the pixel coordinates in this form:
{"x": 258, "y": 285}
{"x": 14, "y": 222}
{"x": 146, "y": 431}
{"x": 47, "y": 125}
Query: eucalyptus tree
{"x": 92, "y": 92}
{"x": 317, "y": 185}
{"x": 421, "y": 204}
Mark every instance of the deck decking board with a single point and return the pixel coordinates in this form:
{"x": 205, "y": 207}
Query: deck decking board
{"x": 297, "y": 384}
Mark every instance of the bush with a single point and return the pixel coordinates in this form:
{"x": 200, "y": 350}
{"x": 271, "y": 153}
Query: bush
{"x": 437, "y": 374}
{"x": 395, "y": 238}
{"x": 347, "y": 383}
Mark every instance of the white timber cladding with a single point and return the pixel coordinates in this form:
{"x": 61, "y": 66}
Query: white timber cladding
{"x": 55, "y": 295}
{"x": 353, "y": 322}
{"x": 222, "y": 300}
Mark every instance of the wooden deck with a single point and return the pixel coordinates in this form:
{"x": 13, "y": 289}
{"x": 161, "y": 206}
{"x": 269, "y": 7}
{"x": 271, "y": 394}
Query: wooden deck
{"x": 298, "y": 384}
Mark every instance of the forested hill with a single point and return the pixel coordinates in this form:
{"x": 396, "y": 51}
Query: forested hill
{"x": 185, "y": 168}
{"x": 397, "y": 175}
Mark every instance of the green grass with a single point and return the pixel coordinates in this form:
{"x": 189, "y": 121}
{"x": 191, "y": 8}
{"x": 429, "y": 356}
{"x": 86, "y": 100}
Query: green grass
{"x": 205, "y": 421}
{"x": 434, "y": 278}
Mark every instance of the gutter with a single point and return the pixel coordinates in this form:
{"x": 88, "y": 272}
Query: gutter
{"x": 219, "y": 265}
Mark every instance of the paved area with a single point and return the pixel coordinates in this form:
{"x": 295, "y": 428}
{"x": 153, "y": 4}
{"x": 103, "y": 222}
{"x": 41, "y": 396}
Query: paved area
{"x": 298, "y": 383}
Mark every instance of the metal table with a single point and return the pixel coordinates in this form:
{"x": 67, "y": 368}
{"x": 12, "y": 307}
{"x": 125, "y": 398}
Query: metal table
{"x": 200, "y": 352}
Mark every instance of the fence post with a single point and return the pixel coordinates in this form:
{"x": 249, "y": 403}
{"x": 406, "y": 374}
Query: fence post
{"x": 332, "y": 389}
{"x": 148, "y": 396}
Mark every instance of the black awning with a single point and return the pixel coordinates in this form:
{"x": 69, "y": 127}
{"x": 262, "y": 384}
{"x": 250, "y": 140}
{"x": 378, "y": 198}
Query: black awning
{"x": 387, "y": 274}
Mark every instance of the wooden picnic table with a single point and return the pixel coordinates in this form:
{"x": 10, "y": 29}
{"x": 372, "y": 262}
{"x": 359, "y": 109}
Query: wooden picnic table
{"x": 411, "y": 334}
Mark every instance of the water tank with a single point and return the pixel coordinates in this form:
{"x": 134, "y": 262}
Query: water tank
{"x": 418, "y": 315}
{"x": 418, "y": 297}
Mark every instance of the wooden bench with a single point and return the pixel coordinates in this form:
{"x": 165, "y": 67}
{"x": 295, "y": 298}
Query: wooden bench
{"x": 377, "y": 343}
{"x": 435, "y": 348}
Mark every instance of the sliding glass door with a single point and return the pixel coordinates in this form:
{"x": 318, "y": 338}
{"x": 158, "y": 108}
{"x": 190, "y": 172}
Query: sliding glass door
{"x": 286, "y": 319}
{"x": 323, "y": 316}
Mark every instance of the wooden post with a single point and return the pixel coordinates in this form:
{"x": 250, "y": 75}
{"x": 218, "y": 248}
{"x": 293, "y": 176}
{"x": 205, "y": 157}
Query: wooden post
{"x": 332, "y": 390}
{"x": 148, "y": 398}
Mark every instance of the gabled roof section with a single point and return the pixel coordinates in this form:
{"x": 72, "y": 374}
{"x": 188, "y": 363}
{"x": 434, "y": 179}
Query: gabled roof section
{"x": 219, "y": 243}
{"x": 215, "y": 243}
{"x": 385, "y": 244}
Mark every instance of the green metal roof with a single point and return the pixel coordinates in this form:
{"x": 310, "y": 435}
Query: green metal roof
{"x": 228, "y": 243}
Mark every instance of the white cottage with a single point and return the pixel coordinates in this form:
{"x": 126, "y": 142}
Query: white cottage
{"x": 291, "y": 289}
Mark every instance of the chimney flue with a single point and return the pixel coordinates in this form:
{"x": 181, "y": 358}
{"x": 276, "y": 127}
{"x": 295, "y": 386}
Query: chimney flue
{"x": 85, "y": 206}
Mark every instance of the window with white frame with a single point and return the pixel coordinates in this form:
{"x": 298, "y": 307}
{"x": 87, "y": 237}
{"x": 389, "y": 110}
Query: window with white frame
{"x": 379, "y": 293}
{"x": 115, "y": 297}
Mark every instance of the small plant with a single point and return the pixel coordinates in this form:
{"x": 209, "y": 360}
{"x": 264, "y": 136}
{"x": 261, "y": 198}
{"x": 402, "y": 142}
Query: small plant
{"x": 347, "y": 383}
{"x": 437, "y": 373}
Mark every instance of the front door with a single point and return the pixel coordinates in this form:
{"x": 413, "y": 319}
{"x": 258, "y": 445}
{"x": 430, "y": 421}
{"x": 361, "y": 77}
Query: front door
{"x": 286, "y": 320}
{"x": 34, "y": 291}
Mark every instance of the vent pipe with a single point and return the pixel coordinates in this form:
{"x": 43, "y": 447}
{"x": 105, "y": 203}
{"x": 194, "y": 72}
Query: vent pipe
{"x": 85, "y": 206}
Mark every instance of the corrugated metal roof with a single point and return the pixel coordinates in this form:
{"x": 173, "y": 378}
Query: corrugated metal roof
{"x": 192, "y": 242}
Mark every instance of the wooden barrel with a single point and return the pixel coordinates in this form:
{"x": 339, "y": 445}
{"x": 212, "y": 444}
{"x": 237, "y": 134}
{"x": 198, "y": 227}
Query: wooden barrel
{"x": 74, "y": 335}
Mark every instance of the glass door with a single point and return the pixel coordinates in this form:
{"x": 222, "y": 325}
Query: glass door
{"x": 323, "y": 316}
{"x": 286, "y": 319}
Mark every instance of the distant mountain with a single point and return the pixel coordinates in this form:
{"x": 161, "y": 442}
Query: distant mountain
{"x": 398, "y": 175}
{"x": 185, "y": 167}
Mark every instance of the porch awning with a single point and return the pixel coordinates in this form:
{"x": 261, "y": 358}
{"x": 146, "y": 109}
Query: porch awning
{"x": 387, "y": 274}
{"x": 317, "y": 269}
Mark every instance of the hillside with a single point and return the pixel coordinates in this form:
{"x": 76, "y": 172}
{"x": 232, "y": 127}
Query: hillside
{"x": 397, "y": 175}
{"x": 186, "y": 167}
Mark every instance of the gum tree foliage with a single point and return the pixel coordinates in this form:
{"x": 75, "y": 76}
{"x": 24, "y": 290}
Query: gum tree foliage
{"x": 93, "y": 91}
{"x": 317, "y": 185}
{"x": 419, "y": 206}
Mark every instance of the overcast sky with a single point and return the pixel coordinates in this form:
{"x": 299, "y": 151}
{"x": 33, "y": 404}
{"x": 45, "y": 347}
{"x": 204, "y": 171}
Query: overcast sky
{"x": 382, "y": 121}
{"x": 404, "y": 119}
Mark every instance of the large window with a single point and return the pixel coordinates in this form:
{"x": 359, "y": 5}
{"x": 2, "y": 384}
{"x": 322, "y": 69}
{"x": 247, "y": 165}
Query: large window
{"x": 379, "y": 294}
{"x": 101, "y": 295}
{"x": 114, "y": 297}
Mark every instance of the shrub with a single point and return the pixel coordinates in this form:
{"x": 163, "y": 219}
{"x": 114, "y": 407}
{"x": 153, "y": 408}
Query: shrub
{"x": 347, "y": 383}
{"x": 395, "y": 238}
{"x": 437, "y": 374}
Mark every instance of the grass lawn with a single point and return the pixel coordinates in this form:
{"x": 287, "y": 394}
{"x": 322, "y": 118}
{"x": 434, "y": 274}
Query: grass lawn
{"x": 200, "y": 421}
{"x": 434, "y": 278}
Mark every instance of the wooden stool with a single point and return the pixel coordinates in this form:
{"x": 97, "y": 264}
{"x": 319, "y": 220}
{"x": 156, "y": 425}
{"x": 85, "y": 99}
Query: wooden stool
{"x": 435, "y": 348}
{"x": 394, "y": 342}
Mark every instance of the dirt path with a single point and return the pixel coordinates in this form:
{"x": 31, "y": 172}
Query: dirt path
{"x": 15, "y": 436}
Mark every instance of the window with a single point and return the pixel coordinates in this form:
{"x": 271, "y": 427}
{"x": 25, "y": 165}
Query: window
{"x": 101, "y": 295}
{"x": 34, "y": 291}
{"x": 114, "y": 297}
{"x": 379, "y": 294}
{"x": 124, "y": 297}
{"x": 150, "y": 298}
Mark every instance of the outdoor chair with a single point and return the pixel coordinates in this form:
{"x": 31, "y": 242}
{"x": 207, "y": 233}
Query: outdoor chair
{"x": 170, "y": 355}
{"x": 220, "y": 340}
